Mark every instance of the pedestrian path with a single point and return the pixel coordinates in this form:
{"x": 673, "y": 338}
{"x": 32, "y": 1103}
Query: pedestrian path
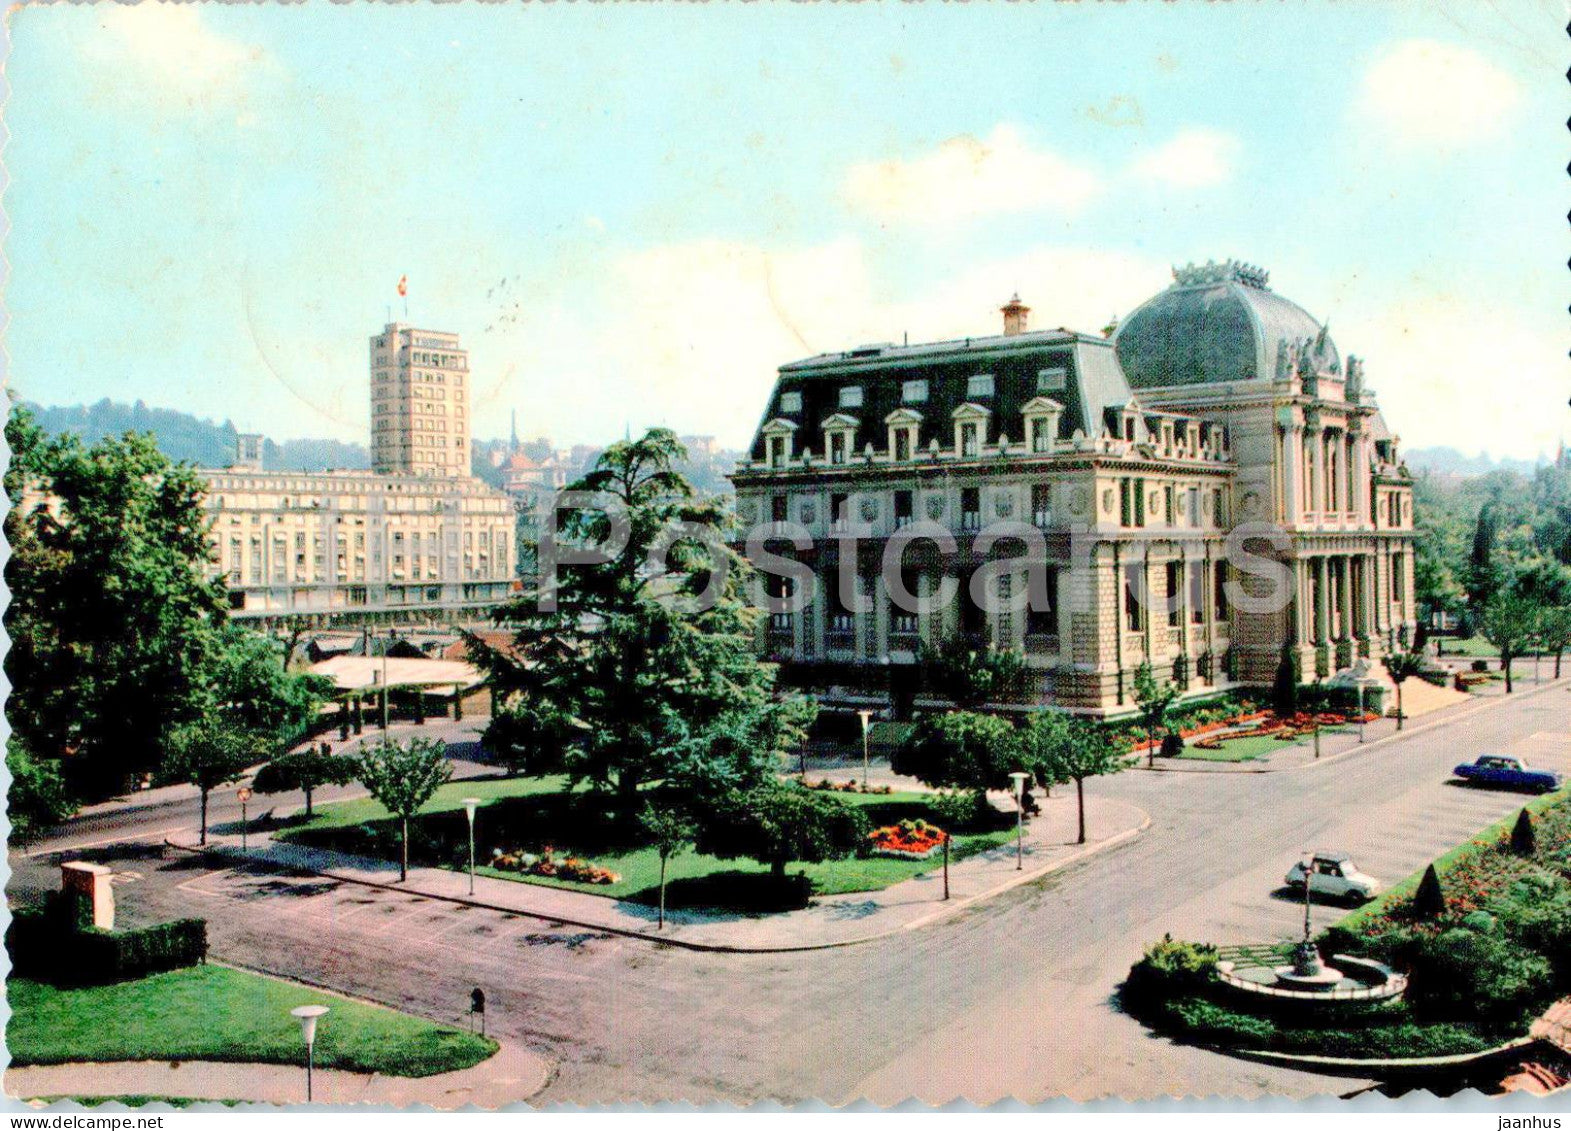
{"x": 513, "y": 1075}
{"x": 839, "y": 920}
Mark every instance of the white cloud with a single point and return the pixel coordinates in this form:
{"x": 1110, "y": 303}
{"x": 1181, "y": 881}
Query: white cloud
{"x": 1194, "y": 158}
{"x": 168, "y": 55}
{"x": 968, "y": 177}
{"x": 691, "y": 334}
{"x": 1451, "y": 369}
{"x": 1436, "y": 94}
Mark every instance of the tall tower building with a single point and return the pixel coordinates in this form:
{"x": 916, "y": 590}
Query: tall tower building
{"x": 419, "y": 402}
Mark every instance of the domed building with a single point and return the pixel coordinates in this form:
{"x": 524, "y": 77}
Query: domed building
{"x": 1208, "y": 487}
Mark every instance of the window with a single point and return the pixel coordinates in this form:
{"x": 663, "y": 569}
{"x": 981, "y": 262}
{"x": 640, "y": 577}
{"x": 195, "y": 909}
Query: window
{"x": 905, "y": 508}
{"x": 968, "y": 439}
{"x": 851, "y": 396}
{"x": 790, "y": 402}
{"x": 1197, "y": 592}
{"x": 1126, "y": 514}
{"x": 1041, "y": 504}
{"x": 902, "y": 444}
{"x": 1044, "y": 621}
{"x": 970, "y": 508}
{"x": 1174, "y": 610}
{"x": 1169, "y": 509}
{"x": 838, "y": 518}
{"x": 1218, "y": 511}
{"x": 777, "y": 451}
{"x": 777, "y": 508}
{"x": 1129, "y": 428}
{"x": 980, "y": 385}
{"x": 1041, "y": 439}
{"x": 1051, "y": 380}
{"x": 1398, "y": 578}
{"x": 841, "y": 619}
{"x": 901, "y": 620}
{"x": 837, "y": 447}
{"x": 1219, "y": 591}
{"x": 1192, "y": 507}
{"x": 1134, "y": 610}
{"x": 913, "y": 392}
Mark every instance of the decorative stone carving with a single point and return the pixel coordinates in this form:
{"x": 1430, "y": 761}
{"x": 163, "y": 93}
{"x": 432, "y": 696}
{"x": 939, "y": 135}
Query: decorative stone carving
{"x": 1107, "y": 500}
{"x": 1003, "y": 504}
{"x": 935, "y": 507}
{"x": 869, "y": 509}
{"x": 809, "y": 513}
{"x": 1250, "y": 504}
{"x": 747, "y": 510}
{"x": 1080, "y": 499}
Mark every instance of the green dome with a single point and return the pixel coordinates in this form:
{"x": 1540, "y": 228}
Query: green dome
{"x": 1216, "y": 323}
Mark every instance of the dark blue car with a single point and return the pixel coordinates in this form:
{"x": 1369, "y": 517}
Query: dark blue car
{"x": 1505, "y": 771}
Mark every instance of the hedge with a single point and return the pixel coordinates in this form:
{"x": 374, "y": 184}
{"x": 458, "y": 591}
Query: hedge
{"x": 49, "y": 946}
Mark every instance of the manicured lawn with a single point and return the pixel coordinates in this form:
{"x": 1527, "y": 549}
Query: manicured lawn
{"x": 531, "y": 813}
{"x": 1252, "y": 747}
{"x": 216, "y": 1013}
{"x": 1475, "y": 647}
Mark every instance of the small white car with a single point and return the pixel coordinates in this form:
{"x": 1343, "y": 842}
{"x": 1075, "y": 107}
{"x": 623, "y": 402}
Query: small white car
{"x": 1335, "y": 876}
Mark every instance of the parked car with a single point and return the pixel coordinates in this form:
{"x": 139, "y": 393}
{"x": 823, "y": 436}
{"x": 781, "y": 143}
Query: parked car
{"x": 1507, "y": 771}
{"x": 1335, "y": 876}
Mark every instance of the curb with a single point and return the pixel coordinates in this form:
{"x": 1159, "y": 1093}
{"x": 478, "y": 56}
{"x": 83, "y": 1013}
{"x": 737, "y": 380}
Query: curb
{"x": 1465, "y": 712}
{"x": 954, "y": 907}
{"x": 1377, "y": 1069}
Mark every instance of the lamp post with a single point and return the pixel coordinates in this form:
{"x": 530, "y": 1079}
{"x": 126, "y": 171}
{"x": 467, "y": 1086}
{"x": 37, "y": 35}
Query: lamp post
{"x": 470, "y": 804}
{"x": 1360, "y": 712}
{"x": 308, "y": 1016}
{"x": 1308, "y": 863}
{"x": 244, "y": 794}
{"x": 867, "y": 721}
{"x": 1019, "y": 778}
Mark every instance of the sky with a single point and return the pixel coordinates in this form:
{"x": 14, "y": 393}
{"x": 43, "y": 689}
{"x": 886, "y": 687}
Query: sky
{"x": 634, "y": 214}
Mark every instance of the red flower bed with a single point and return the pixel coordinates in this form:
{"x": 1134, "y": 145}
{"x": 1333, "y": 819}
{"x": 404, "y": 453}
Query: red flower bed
{"x": 908, "y": 838}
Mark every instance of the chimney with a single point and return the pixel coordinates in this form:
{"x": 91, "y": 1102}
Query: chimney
{"x": 1015, "y": 313}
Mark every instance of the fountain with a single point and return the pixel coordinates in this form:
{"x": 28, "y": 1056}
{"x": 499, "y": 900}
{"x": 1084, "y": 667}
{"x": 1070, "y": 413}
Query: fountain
{"x": 1308, "y": 971}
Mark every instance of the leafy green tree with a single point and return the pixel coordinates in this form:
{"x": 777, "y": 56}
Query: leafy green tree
{"x": 38, "y": 798}
{"x": 1429, "y": 901}
{"x": 670, "y": 833}
{"x": 1154, "y": 700}
{"x": 530, "y": 735}
{"x": 973, "y": 677}
{"x": 1401, "y": 667}
{"x": 113, "y": 615}
{"x": 1510, "y": 624}
{"x": 1554, "y": 630}
{"x": 252, "y": 685}
{"x": 779, "y": 823}
{"x": 402, "y": 777}
{"x": 628, "y": 651}
{"x": 1068, "y": 750}
{"x": 210, "y": 753}
{"x": 1523, "y": 840}
{"x": 961, "y": 749}
{"x": 305, "y": 770}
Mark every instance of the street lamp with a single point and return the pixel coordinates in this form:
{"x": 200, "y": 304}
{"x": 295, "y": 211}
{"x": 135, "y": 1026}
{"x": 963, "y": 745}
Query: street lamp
{"x": 308, "y": 1015}
{"x": 1019, "y": 778}
{"x": 1307, "y": 861}
{"x": 244, "y": 794}
{"x": 470, "y": 804}
{"x": 867, "y": 721}
{"x": 1360, "y": 712}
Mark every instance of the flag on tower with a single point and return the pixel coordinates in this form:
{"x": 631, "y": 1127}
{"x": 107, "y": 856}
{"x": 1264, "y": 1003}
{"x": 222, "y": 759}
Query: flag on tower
{"x": 403, "y": 285}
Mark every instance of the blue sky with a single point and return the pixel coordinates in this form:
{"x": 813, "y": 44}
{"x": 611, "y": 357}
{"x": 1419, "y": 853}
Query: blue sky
{"x": 633, "y": 214}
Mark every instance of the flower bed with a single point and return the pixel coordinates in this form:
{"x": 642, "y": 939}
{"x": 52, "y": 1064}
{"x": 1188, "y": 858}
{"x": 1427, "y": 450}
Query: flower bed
{"x": 850, "y": 785}
{"x": 1212, "y": 727}
{"x": 546, "y": 863}
{"x": 909, "y": 840}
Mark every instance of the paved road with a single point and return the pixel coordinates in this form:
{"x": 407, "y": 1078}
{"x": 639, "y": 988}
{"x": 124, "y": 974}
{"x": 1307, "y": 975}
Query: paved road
{"x": 1011, "y": 998}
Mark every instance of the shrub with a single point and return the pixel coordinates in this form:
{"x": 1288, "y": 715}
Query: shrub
{"x": 1462, "y": 973}
{"x": 1384, "y": 1041}
{"x": 1203, "y": 1020}
{"x": 1170, "y": 969}
{"x": 1480, "y": 665}
{"x": 46, "y": 946}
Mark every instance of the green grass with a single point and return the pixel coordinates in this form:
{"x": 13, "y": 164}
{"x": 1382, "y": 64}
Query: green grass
{"x": 1474, "y": 647}
{"x": 1252, "y": 747}
{"x": 530, "y": 813}
{"x": 1405, "y": 889}
{"x": 217, "y": 1013}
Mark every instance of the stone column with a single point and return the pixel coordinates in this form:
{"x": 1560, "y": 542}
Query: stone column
{"x": 1345, "y": 594}
{"x": 1292, "y": 460}
{"x": 1322, "y": 618}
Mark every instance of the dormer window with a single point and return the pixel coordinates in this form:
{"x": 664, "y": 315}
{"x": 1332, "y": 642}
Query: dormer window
{"x": 791, "y": 402}
{"x": 913, "y": 392}
{"x": 1129, "y": 427}
{"x": 778, "y": 442}
{"x": 1041, "y": 420}
{"x": 1051, "y": 380}
{"x": 970, "y": 429}
{"x": 903, "y": 424}
{"x": 839, "y": 435}
{"x": 981, "y": 385}
{"x": 1167, "y": 436}
{"x": 851, "y": 396}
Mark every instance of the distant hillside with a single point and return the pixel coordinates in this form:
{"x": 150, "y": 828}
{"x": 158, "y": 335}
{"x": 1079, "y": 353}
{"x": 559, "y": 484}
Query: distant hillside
{"x": 182, "y": 436}
{"x": 1450, "y": 461}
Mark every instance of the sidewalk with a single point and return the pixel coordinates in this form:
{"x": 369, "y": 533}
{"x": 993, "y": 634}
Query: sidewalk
{"x": 511, "y": 1076}
{"x": 831, "y": 921}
